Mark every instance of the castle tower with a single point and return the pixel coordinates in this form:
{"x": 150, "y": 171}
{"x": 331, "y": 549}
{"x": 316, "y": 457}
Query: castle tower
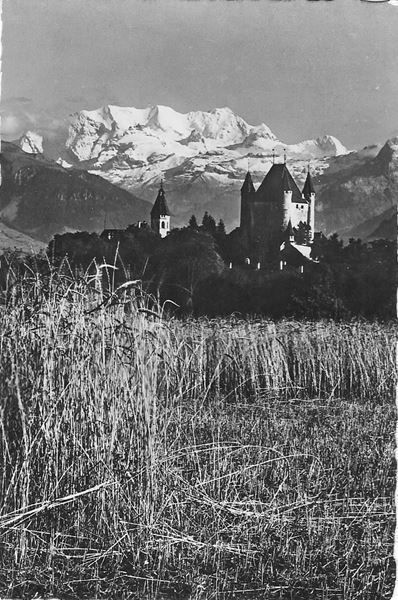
{"x": 273, "y": 213}
{"x": 309, "y": 195}
{"x": 247, "y": 192}
{"x": 160, "y": 214}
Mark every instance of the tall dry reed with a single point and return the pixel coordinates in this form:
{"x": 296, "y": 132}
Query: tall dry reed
{"x": 144, "y": 451}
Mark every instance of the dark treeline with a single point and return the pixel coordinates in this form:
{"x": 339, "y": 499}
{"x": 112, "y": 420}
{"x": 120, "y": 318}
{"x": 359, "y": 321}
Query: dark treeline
{"x": 191, "y": 267}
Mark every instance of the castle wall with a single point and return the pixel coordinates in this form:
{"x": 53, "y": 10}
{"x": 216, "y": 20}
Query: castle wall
{"x": 265, "y": 226}
{"x": 298, "y": 213}
{"x": 286, "y": 208}
{"x": 266, "y": 218}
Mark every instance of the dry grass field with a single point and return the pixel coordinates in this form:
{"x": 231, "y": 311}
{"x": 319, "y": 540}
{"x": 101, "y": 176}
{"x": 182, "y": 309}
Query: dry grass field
{"x": 143, "y": 456}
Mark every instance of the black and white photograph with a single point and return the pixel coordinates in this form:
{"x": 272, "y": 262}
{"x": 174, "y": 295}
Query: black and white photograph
{"x": 198, "y": 299}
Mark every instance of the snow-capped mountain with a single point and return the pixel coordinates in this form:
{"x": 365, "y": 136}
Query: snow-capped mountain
{"x": 202, "y": 156}
{"x": 31, "y": 142}
{"x": 158, "y": 130}
{"x": 134, "y": 135}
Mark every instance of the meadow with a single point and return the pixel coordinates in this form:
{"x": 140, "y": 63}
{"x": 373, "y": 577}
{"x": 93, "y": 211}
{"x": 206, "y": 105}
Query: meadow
{"x": 145, "y": 456}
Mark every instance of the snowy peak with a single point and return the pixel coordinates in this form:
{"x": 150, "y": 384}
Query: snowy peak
{"x": 220, "y": 124}
{"x": 150, "y": 133}
{"x": 168, "y": 120}
{"x": 129, "y": 135}
{"x": 31, "y": 142}
{"x": 201, "y": 155}
{"x": 321, "y": 147}
{"x": 331, "y": 146}
{"x": 158, "y": 127}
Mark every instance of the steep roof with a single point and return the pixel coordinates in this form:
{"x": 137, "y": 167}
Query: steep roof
{"x": 160, "y": 207}
{"x": 308, "y": 188}
{"x": 248, "y": 186}
{"x": 295, "y": 254}
{"x": 287, "y": 186}
{"x": 278, "y": 180}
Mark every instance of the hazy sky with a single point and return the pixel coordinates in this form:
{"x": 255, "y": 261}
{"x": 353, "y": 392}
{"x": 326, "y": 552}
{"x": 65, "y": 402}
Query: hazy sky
{"x": 304, "y": 68}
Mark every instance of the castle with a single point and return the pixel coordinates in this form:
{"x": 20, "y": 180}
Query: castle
{"x": 277, "y": 220}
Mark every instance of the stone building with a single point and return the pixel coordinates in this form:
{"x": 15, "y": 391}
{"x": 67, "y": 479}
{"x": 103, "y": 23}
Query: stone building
{"x": 277, "y": 218}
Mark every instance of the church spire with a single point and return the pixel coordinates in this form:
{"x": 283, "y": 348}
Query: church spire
{"x": 160, "y": 207}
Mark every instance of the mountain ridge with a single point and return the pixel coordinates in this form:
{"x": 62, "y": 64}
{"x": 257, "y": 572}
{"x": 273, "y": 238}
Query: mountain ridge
{"x": 203, "y": 157}
{"x": 40, "y": 197}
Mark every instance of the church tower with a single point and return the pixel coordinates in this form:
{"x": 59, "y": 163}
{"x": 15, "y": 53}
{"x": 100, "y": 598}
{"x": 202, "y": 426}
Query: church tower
{"x": 309, "y": 195}
{"x": 160, "y": 214}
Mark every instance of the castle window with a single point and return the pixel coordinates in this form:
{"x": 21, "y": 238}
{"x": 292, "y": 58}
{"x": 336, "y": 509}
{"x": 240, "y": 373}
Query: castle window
{"x": 163, "y": 225}
{"x": 296, "y": 205}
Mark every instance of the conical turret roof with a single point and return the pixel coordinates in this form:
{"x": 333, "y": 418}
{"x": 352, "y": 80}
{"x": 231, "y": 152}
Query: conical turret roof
{"x": 160, "y": 207}
{"x": 248, "y": 186}
{"x": 308, "y": 188}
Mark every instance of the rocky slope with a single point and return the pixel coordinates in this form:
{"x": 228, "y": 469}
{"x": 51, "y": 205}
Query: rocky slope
{"x": 357, "y": 193}
{"x": 39, "y": 197}
{"x": 383, "y": 226}
{"x": 11, "y": 239}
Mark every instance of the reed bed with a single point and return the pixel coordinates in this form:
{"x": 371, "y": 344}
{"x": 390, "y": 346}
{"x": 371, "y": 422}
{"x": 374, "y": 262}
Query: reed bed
{"x": 146, "y": 456}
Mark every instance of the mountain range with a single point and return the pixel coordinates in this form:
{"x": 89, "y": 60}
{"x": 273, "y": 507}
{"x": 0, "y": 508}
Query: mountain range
{"x": 109, "y": 166}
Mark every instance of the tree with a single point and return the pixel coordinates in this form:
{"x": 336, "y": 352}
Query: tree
{"x": 302, "y": 233}
{"x": 193, "y": 224}
{"x": 221, "y": 228}
{"x": 185, "y": 258}
{"x": 328, "y": 250}
{"x": 209, "y": 224}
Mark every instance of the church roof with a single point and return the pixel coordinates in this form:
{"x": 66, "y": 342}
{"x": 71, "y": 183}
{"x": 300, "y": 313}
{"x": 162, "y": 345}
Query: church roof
{"x": 278, "y": 180}
{"x": 160, "y": 207}
{"x": 308, "y": 188}
{"x": 248, "y": 186}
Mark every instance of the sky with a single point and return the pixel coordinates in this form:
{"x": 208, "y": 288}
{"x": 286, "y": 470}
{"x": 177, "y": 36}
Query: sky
{"x": 305, "y": 68}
